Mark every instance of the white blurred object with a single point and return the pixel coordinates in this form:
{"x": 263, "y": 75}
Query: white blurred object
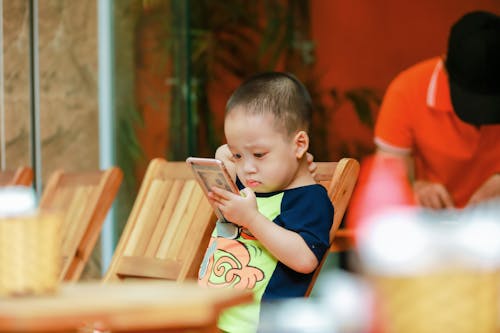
{"x": 416, "y": 241}
{"x": 478, "y": 241}
{"x": 348, "y": 298}
{"x": 342, "y": 303}
{"x": 395, "y": 242}
{"x": 17, "y": 200}
{"x": 296, "y": 315}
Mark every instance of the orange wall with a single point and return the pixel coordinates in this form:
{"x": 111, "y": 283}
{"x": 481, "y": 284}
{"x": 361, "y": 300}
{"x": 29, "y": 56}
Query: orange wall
{"x": 358, "y": 43}
{"x": 368, "y": 42}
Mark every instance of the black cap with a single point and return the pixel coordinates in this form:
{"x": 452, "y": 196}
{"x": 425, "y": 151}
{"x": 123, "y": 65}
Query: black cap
{"x": 473, "y": 65}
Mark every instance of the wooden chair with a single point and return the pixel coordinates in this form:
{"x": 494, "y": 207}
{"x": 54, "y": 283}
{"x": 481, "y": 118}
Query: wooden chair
{"x": 343, "y": 241}
{"x": 171, "y": 221}
{"x": 21, "y": 176}
{"x": 168, "y": 229}
{"x": 83, "y": 199}
{"x": 339, "y": 178}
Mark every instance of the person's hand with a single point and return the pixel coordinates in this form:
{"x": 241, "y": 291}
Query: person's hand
{"x": 224, "y": 154}
{"x": 239, "y": 209}
{"x": 312, "y": 167}
{"x": 488, "y": 190}
{"x": 432, "y": 195}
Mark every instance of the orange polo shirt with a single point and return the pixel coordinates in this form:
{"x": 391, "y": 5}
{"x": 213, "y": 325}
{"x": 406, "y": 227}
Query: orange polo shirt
{"x": 416, "y": 117}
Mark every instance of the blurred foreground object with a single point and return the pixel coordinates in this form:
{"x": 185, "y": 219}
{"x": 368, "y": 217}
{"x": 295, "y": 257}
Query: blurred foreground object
{"x": 383, "y": 184}
{"x": 342, "y": 303}
{"x": 29, "y": 245}
{"x": 434, "y": 271}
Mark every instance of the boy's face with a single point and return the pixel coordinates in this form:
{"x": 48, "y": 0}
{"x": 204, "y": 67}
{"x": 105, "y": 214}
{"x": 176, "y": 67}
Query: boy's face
{"x": 266, "y": 158}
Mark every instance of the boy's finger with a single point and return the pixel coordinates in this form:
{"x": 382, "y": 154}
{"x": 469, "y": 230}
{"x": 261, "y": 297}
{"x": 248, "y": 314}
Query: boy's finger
{"x": 247, "y": 192}
{"x": 218, "y": 190}
{"x": 221, "y": 193}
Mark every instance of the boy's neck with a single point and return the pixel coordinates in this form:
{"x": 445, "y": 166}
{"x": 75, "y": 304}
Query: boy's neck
{"x": 302, "y": 177}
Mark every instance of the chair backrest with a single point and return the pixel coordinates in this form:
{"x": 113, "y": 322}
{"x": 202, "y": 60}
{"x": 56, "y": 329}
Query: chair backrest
{"x": 168, "y": 229}
{"x": 83, "y": 199}
{"x": 21, "y": 176}
{"x": 339, "y": 178}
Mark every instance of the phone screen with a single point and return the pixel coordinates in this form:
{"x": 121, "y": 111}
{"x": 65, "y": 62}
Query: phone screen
{"x": 211, "y": 175}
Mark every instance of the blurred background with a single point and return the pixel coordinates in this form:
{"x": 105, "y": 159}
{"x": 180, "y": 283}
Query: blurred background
{"x": 88, "y": 84}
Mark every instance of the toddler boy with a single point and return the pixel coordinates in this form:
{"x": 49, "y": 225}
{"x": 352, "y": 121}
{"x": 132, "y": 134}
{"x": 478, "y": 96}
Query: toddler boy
{"x": 282, "y": 217}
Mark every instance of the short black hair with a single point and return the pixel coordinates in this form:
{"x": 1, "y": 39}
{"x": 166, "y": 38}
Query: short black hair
{"x": 278, "y": 93}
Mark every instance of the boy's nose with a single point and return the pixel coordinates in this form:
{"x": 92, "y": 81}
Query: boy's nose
{"x": 249, "y": 167}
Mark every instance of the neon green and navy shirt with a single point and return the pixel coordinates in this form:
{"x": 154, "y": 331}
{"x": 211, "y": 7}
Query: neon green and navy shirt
{"x": 242, "y": 262}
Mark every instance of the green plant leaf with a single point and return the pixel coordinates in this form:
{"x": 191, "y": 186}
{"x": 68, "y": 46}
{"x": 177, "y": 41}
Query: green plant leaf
{"x": 362, "y": 100}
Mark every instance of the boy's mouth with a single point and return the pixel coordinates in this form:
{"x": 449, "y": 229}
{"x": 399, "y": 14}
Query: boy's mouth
{"x": 252, "y": 183}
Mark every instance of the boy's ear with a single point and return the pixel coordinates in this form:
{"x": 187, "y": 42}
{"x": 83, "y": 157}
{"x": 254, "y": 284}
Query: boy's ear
{"x": 301, "y": 141}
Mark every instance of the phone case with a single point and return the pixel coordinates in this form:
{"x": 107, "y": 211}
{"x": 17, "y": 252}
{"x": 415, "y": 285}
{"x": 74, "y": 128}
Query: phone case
{"x": 211, "y": 172}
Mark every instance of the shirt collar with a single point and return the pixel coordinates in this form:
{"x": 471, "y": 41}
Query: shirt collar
{"x": 438, "y": 92}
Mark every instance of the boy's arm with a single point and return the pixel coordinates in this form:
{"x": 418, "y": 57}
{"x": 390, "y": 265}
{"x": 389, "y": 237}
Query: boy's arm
{"x": 286, "y": 245}
{"x": 224, "y": 154}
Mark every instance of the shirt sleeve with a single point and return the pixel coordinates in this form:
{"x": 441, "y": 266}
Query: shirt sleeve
{"x": 393, "y": 125}
{"x": 310, "y": 214}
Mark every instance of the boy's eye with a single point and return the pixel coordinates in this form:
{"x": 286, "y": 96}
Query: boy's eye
{"x": 259, "y": 155}
{"x": 236, "y": 156}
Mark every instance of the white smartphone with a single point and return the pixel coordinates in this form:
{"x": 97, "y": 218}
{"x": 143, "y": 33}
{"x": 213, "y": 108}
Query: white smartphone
{"x": 210, "y": 172}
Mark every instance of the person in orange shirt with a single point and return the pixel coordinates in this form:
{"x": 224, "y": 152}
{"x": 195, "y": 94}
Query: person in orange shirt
{"x": 442, "y": 116}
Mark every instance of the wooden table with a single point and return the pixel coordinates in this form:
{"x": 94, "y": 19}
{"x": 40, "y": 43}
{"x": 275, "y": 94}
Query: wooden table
{"x": 120, "y": 307}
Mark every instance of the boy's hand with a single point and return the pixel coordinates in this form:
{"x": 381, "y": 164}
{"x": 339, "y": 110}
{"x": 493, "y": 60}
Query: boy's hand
{"x": 312, "y": 167}
{"x": 224, "y": 154}
{"x": 236, "y": 208}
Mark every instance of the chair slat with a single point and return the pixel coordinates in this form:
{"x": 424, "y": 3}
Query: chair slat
{"x": 177, "y": 220}
{"x": 173, "y": 188}
{"x": 188, "y": 219}
{"x": 73, "y": 224}
{"x": 200, "y": 230}
{"x": 143, "y": 227}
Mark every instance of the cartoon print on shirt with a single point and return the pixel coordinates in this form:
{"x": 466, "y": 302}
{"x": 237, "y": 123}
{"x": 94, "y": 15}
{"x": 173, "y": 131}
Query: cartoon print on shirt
{"x": 230, "y": 269}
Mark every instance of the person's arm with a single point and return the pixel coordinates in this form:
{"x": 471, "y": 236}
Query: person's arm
{"x": 395, "y": 136}
{"x": 488, "y": 190}
{"x": 426, "y": 194}
{"x": 287, "y": 246}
